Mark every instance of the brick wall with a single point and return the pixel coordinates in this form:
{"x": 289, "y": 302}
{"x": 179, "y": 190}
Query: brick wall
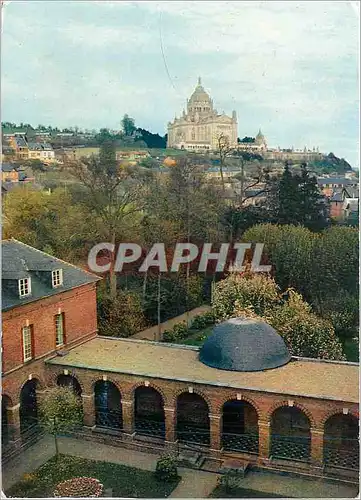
{"x": 80, "y": 324}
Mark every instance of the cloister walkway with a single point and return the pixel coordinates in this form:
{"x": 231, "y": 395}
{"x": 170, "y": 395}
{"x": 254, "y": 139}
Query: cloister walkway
{"x": 194, "y": 484}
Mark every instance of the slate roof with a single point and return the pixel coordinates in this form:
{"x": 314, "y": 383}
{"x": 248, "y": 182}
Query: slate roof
{"x": 7, "y": 167}
{"x": 336, "y": 180}
{"x": 336, "y": 197}
{"x": 22, "y": 261}
{"x": 244, "y": 345}
{"x": 313, "y": 378}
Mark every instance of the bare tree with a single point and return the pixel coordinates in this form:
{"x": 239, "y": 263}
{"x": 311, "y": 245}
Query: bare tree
{"x": 224, "y": 149}
{"x": 114, "y": 193}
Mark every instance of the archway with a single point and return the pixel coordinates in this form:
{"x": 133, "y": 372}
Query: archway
{"x": 290, "y": 434}
{"x": 341, "y": 445}
{"x": 239, "y": 427}
{"x": 192, "y": 419}
{"x": 149, "y": 412}
{"x": 5, "y": 425}
{"x": 28, "y": 409}
{"x": 71, "y": 382}
{"x": 108, "y": 405}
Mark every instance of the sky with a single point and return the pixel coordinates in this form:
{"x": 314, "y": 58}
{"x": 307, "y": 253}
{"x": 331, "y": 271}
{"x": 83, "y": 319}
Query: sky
{"x": 289, "y": 68}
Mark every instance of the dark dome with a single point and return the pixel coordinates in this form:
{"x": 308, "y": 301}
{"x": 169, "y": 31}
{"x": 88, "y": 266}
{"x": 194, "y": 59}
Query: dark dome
{"x": 244, "y": 345}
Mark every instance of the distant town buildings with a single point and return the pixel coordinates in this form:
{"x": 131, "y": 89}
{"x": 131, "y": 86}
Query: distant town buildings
{"x": 199, "y": 128}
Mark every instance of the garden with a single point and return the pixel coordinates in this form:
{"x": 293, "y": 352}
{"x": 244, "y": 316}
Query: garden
{"x": 53, "y": 478}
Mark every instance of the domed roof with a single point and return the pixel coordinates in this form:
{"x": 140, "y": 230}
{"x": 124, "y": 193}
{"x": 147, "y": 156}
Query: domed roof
{"x": 199, "y": 94}
{"x": 244, "y": 345}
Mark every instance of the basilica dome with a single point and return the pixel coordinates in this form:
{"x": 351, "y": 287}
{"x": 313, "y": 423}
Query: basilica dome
{"x": 199, "y": 94}
{"x": 244, "y": 345}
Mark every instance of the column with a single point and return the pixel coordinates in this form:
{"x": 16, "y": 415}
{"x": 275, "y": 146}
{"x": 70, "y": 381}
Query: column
{"x": 215, "y": 423}
{"x": 170, "y": 422}
{"x": 264, "y": 433}
{"x": 88, "y": 410}
{"x": 128, "y": 416}
{"x": 13, "y": 417}
{"x": 317, "y": 447}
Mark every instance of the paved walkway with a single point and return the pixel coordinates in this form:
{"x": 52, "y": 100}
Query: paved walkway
{"x": 152, "y": 333}
{"x": 194, "y": 483}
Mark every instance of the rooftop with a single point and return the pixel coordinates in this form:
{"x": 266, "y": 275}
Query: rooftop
{"x": 299, "y": 377}
{"x": 336, "y": 180}
{"x": 23, "y": 261}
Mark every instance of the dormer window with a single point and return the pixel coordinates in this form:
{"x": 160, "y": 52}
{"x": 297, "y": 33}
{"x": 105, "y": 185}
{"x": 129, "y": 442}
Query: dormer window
{"x": 57, "y": 277}
{"x": 24, "y": 287}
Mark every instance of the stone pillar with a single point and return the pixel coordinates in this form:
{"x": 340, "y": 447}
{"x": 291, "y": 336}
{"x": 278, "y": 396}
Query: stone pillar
{"x": 317, "y": 447}
{"x": 128, "y": 416}
{"x": 215, "y": 424}
{"x": 88, "y": 409}
{"x": 170, "y": 423}
{"x": 264, "y": 440}
{"x": 13, "y": 417}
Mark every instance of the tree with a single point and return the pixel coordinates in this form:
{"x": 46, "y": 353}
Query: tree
{"x": 60, "y": 411}
{"x": 113, "y": 194}
{"x": 313, "y": 209}
{"x": 257, "y": 296}
{"x": 224, "y": 149}
{"x": 128, "y": 125}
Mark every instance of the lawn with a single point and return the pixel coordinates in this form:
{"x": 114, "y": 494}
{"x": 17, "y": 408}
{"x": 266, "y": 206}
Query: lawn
{"x": 124, "y": 481}
{"x": 221, "y": 492}
{"x": 196, "y": 337}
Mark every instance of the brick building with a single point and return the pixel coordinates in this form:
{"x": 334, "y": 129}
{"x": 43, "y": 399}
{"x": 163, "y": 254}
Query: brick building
{"x": 240, "y": 396}
{"x": 48, "y": 306}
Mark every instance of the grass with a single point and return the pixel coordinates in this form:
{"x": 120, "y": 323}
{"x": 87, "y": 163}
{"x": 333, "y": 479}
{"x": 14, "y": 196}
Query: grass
{"x": 221, "y": 492}
{"x": 124, "y": 481}
{"x": 351, "y": 349}
{"x": 196, "y": 337}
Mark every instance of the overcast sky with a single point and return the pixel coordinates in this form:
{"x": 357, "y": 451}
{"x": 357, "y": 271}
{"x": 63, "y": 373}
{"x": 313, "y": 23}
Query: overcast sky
{"x": 290, "y": 68}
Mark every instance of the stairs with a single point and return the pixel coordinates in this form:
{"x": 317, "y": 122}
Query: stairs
{"x": 239, "y": 467}
{"x": 190, "y": 458}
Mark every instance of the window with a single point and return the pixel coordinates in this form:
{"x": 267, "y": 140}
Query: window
{"x": 27, "y": 343}
{"x": 57, "y": 277}
{"x": 59, "y": 329}
{"x": 24, "y": 287}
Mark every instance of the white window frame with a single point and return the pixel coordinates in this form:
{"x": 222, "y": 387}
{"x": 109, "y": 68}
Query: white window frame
{"x": 57, "y": 277}
{"x": 24, "y": 287}
{"x": 27, "y": 343}
{"x": 59, "y": 320}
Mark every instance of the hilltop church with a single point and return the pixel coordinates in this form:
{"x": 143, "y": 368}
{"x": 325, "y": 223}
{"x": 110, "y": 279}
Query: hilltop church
{"x": 200, "y": 128}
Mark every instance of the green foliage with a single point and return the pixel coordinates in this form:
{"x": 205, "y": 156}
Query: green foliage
{"x": 258, "y": 296}
{"x": 166, "y": 468}
{"x": 203, "y": 320}
{"x": 60, "y": 410}
{"x": 128, "y": 125}
{"x": 258, "y": 292}
{"x": 230, "y": 480}
{"x": 121, "y": 316}
{"x": 178, "y": 332}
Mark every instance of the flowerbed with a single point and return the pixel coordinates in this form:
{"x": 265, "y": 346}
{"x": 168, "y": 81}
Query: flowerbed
{"x": 79, "y": 487}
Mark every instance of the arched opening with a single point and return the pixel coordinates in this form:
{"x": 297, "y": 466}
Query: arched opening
{"x": 290, "y": 434}
{"x": 341, "y": 445}
{"x": 239, "y": 427}
{"x": 5, "y": 424}
{"x": 69, "y": 381}
{"x": 28, "y": 409}
{"x": 192, "y": 419}
{"x": 149, "y": 412}
{"x": 108, "y": 405}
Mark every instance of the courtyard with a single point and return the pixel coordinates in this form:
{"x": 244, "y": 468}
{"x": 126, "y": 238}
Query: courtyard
{"x": 129, "y": 473}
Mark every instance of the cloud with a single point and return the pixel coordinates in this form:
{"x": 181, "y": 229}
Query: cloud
{"x": 290, "y": 67}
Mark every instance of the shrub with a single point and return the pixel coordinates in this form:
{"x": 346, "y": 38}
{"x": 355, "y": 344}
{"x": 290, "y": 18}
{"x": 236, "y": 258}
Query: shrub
{"x": 178, "y": 332}
{"x": 203, "y": 320}
{"x": 230, "y": 480}
{"x": 79, "y": 487}
{"x": 166, "y": 469}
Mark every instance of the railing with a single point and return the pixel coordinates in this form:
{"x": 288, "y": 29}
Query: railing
{"x": 247, "y": 443}
{"x": 149, "y": 427}
{"x": 187, "y": 433}
{"x": 109, "y": 419}
{"x": 291, "y": 448}
{"x": 345, "y": 455}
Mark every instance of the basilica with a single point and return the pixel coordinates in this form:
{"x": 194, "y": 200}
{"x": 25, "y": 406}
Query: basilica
{"x": 200, "y": 127}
